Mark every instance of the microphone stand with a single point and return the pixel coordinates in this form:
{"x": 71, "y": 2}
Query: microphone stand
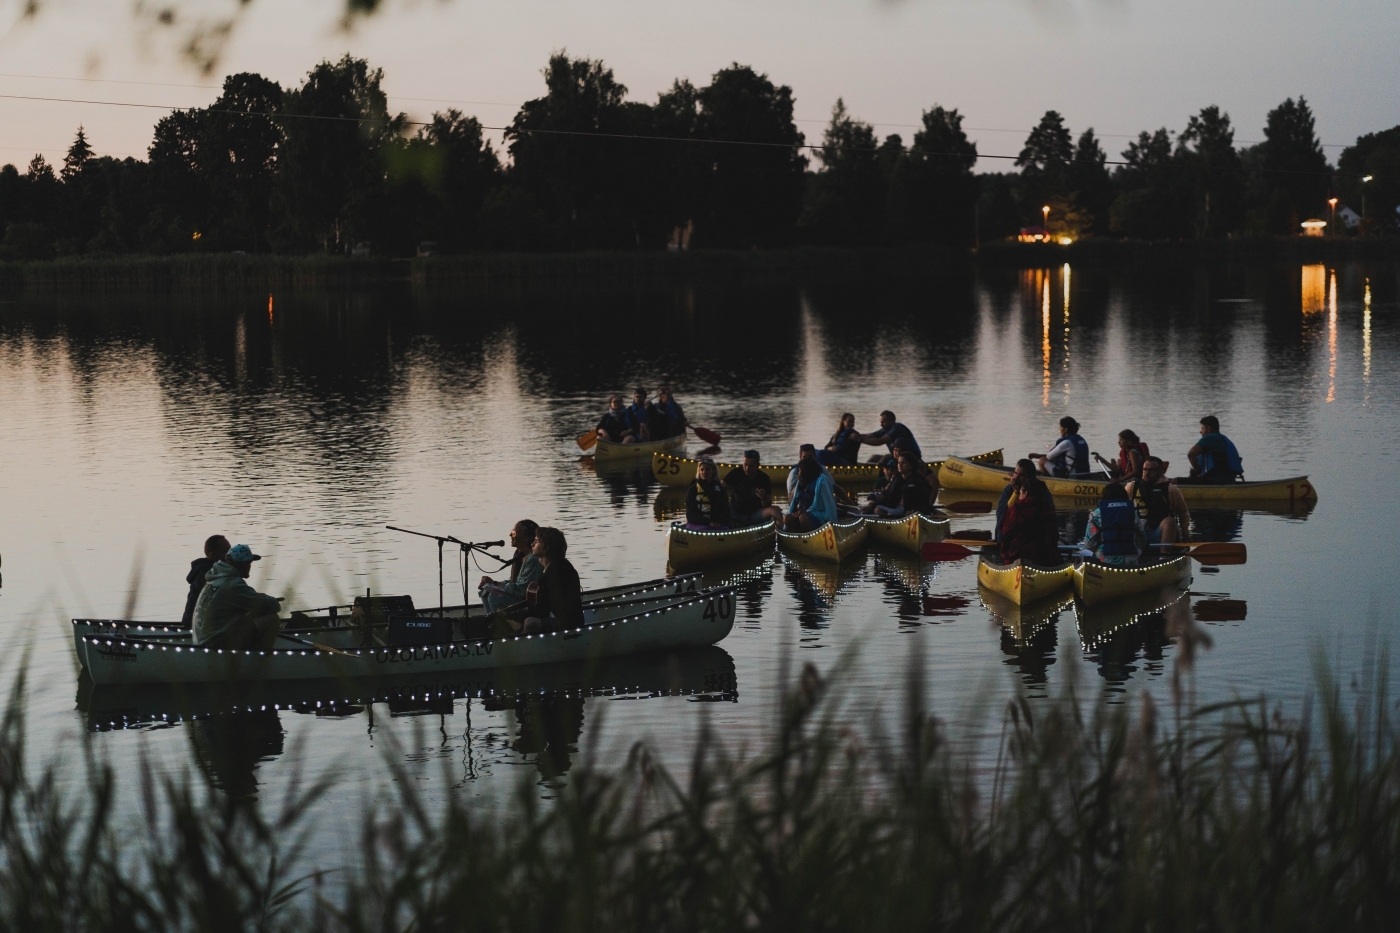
{"x": 465, "y": 545}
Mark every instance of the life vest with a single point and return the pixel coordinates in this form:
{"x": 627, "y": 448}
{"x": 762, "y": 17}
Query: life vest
{"x": 805, "y": 495}
{"x": 1118, "y": 528}
{"x": 1153, "y": 502}
{"x": 1231, "y": 463}
{"x": 1123, "y": 462}
{"x": 706, "y": 494}
{"x": 1078, "y": 457}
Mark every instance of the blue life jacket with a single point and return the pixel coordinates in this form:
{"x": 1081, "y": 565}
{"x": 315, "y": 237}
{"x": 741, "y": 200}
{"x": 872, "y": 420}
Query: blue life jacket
{"x": 637, "y": 415}
{"x": 1079, "y": 457}
{"x": 1118, "y": 528}
{"x": 805, "y": 495}
{"x": 1233, "y": 463}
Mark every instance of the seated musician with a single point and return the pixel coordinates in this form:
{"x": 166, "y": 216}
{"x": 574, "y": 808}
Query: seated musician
{"x": 525, "y": 569}
{"x": 558, "y": 603}
{"x": 231, "y": 614}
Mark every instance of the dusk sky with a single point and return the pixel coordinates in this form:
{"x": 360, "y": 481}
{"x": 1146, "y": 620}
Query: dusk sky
{"x": 1117, "y": 65}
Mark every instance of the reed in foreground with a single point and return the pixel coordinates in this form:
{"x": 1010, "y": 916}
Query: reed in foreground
{"x": 1234, "y": 818}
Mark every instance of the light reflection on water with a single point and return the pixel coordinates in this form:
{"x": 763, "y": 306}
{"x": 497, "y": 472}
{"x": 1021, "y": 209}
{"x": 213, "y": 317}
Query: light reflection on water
{"x": 137, "y": 427}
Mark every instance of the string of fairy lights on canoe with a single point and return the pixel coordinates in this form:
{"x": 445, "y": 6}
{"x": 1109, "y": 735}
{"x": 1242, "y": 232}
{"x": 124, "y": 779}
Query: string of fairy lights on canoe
{"x": 815, "y": 147}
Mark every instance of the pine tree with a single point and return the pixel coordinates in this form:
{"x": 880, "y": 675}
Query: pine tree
{"x": 77, "y": 157}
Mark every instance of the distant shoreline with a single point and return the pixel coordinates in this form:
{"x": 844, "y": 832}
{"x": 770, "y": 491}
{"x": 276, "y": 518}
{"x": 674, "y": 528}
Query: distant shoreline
{"x": 509, "y": 271}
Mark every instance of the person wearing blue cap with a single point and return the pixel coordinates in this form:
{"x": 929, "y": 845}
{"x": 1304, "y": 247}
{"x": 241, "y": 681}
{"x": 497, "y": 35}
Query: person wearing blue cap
{"x": 231, "y": 614}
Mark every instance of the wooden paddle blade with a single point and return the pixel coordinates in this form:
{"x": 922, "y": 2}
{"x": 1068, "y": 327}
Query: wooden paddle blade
{"x": 586, "y": 441}
{"x": 970, "y": 541}
{"x": 706, "y": 435}
{"x": 971, "y": 507}
{"x": 944, "y": 550}
{"x": 1220, "y": 610}
{"x": 1220, "y": 552}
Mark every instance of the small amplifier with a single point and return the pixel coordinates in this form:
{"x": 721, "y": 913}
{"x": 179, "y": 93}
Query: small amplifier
{"x": 417, "y": 630}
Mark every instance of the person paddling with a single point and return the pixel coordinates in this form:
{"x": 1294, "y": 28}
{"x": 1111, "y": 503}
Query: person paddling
{"x": 891, "y": 433}
{"x": 1069, "y": 456}
{"x": 1214, "y": 458}
{"x": 1026, "y": 527}
{"x": 639, "y": 416}
{"x": 706, "y": 502}
{"x": 1115, "y": 531}
{"x": 613, "y": 425}
{"x": 667, "y": 418}
{"x": 814, "y": 500}
{"x": 215, "y": 547}
{"x": 1160, "y": 503}
{"x": 1131, "y": 454}
{"x": 525, "y": 569}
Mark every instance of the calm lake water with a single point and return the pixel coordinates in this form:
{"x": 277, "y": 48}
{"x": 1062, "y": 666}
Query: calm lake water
{"x": 303, "y": 423}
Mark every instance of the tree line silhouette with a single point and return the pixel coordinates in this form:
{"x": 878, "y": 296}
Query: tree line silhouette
{"x": 325, "y": 167}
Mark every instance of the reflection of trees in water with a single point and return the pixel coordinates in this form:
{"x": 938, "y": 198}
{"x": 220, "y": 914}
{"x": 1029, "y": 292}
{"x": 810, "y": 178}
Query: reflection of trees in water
{"x": 230, "y": 746}
{"x": 1216, "y": 524}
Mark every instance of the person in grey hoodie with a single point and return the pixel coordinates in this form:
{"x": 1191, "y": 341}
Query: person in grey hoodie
{"x": 231, "y": 614}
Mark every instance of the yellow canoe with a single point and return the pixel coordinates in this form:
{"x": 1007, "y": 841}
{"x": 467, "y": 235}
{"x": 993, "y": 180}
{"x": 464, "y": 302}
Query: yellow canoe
{"x": 834, "y": 541}
{"x": 1095, "y": 584}
{"x": 909, "y": 532}
{"x": 1023, "y": 584}
{"x": 671, "y": 470}
{"x": 1022, "y": 623}
{"x": 607, "y": 450}
{"x": 688, "y": 549}
{"x": 964, "y": 473}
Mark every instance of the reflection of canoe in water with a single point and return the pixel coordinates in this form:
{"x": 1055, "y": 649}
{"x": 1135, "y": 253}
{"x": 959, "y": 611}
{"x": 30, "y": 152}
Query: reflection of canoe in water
{"x": 687, "y": 549}
{"x": 1100, "y": 622}
{"x": 315, "y": 625}
{"x": 909, "y": 533}
{"x": 1094, "y": 583}
{"x": 607, "y": 450}
{"x": 1023, "y": 622}
{"x": 707, "y": 671}
{"x": 688, "y": 620}
{"x": 679, "y": 471}
{"x": 1023, "y": 584}
{"x": 834, "y": 541}
{"x": 960, "y": 473}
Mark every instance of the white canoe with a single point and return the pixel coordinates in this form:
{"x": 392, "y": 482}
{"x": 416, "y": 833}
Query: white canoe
{"x": 701, "y": 618}
{"x": 316, "y": 625}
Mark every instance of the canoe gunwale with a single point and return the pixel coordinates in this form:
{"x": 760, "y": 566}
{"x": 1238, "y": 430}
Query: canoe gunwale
{"x": 855, "y": 473}
{"x": 846, "y": 536}
{"x": 724, "y": 544}
{"x": 607, "y": 451}
{"x": 362, "y": 661}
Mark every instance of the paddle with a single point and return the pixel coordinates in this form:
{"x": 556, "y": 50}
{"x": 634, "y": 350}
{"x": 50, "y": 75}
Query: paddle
{"x": 969, "y": 507}
{"x": 706, "y": 435}
{"x": 1207, "y": 552}
{"x": 312, "y": 644}
{"x": 585, "y": 441}
{"x": 948, "y": 550}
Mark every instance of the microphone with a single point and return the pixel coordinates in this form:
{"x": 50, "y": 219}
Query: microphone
{"x": 492, "y": 544}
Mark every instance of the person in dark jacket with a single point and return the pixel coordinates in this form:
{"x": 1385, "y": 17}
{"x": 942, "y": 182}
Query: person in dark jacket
{"x": 706, "y": 502}
{"x": 215, "y": 547}
{"x": 891, "y": 434}
{"x": 844, "y": 447}
{"x": 613, "y": 425}
{"x": 1026, "y": 526}
{"x": 915, "y": 495}
{"x": 889, "y": 488}
{"x": 558, "y": 603}
{"x": 667, "y": 418}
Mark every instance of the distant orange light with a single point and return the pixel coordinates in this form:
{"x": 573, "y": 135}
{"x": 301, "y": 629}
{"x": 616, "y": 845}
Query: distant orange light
{"x": 269, "y": 308}
{"x": 197, "y": 235}
{"x": 1333, "y": 202}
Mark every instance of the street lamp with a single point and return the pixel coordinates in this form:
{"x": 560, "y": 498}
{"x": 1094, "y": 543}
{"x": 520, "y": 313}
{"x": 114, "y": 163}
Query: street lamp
{"x": 1045, "y": 212}
{"x": 1364, "y": 179}
{"x": 1332, "y": 203}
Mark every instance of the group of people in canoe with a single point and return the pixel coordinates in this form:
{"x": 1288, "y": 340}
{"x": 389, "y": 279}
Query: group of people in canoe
{"x": 644, "y": 420}
{"x": 744, "y": 496}
{"x": 1137, "y": 511}
{"x": 542, "y": 592}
